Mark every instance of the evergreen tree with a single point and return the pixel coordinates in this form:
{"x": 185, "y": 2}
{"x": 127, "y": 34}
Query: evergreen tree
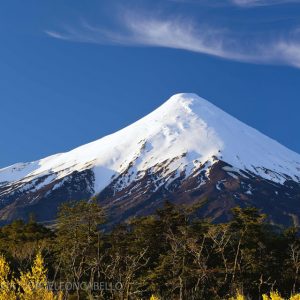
{"x": 78, "y": 240}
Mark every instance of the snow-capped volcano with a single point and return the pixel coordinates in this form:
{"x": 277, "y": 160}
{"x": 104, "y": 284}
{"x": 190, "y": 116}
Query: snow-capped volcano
{"x": 182, "y": 139}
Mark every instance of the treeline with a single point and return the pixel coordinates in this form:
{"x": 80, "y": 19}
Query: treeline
{"x": 170, "y": 255}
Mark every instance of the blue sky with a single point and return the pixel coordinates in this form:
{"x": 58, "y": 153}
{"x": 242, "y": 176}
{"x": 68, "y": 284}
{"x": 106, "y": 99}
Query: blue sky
{"x": 74, "y": 71}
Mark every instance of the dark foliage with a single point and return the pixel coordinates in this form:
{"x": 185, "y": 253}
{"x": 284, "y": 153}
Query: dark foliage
{"x": 170, "y": 254}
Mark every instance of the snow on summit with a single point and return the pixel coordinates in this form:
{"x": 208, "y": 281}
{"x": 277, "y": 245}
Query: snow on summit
{"x": 185, "y": 127}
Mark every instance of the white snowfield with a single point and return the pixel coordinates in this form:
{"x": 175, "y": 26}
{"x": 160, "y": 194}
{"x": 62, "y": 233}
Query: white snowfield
{"x": 185, "y": 127}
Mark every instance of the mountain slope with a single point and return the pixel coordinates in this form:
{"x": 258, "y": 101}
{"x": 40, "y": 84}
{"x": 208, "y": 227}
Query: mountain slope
{"x": 177, "y": 148}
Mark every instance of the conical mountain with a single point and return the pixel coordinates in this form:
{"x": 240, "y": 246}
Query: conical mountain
{"x": 187, "y": 150}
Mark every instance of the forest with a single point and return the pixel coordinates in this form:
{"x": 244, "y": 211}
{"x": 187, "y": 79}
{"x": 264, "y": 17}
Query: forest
{"x": 172, "y": 254}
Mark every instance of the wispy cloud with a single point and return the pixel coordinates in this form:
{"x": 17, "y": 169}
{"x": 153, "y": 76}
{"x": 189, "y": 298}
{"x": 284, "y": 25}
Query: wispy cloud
{"x": 251, "y": 3}
{"x": 240, "y": 3}
{"x": 177, "y": 33}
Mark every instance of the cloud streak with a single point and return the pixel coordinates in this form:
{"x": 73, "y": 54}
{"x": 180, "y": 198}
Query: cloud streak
{"x": 252, "y": 3}
{"x": 148, "y": 31}
{"x": 240, "y": 3}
